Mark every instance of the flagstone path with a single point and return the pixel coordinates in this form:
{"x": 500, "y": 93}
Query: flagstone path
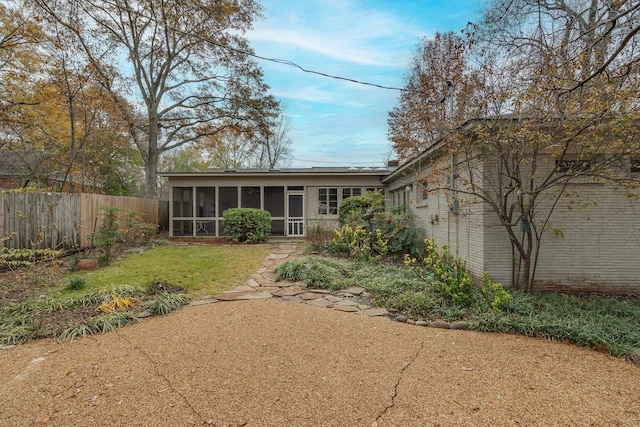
{"x": 263, "y": 285}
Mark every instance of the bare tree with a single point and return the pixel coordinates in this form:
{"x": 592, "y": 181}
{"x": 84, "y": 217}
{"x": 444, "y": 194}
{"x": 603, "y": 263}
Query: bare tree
{"x": 187, "y": 65}
{"x": 554, "y": 116}
{"x": 274, "y": 148}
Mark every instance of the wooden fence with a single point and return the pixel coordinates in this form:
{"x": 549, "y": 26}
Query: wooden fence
{"x": 62, "y": 220}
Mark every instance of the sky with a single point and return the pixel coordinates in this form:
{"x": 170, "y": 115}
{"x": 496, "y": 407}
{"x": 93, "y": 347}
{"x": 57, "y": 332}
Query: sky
{"x": 339, "y": 123}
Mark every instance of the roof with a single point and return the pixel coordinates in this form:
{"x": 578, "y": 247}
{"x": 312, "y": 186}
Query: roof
{"x": 377, "y": 171}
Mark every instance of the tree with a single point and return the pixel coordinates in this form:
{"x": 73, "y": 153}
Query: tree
{"x": 229, "y": 149}
{"x": 18, "y": 63}
{"x": 553, "y": 117}
{"x": 600, "y": 36}
{"x": 436, "y": 97}
{"x": 189, "y": 68}
{"x": 274, "y": 148}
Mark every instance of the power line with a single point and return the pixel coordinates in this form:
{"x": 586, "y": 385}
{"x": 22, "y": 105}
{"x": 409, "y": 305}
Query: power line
{"x": 254, "y": 55}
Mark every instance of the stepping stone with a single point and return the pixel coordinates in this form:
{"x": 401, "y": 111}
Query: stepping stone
{"x": 354, "y": 290}
{"x": 255, "y": 296}
{"x": 241, "y": 288}
{"x": 289, "y": 292}
{"x": 278, "y": 256}
{"x": 320, "y": 303}
{"x": 308, "y": 296}
{"x": 350, "y": 303}
{"x": 269, "y": 275}
{"x": 264, "y": 282}
{"x": 227, "y": 296}
{"x": 203, "y": 302}
{"x": 374, "y": 312}
{"x": 292, "y": 299}
{"x": 333, "y": 298}
{"x": 270, "y": 289}
{"x": 346, "y": 308}
{"x": 252, "y": 283}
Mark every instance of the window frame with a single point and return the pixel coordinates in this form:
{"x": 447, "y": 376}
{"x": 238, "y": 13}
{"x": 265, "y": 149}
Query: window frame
{"x": 329, "y": 200}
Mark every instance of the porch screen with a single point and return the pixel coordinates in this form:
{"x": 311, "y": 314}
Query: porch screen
{"x": 182, "y": 202}
{"x": 206, "y": 202}
{"x": 228, "y": 198}
{"x": 274, "y": 201}
{"x": 250, "y": 197}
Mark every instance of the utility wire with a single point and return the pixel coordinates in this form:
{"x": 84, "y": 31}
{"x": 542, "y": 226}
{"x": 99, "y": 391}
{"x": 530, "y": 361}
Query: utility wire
{"x": 254, "y": 55}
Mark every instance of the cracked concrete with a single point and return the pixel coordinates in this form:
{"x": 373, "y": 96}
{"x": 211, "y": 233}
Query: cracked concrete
{"x": 270, "y": 363}
{"x": 394, "y": 395}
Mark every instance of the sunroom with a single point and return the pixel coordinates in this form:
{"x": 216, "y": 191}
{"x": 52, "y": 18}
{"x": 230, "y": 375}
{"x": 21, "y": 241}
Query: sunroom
{"x": 295, "y": 198}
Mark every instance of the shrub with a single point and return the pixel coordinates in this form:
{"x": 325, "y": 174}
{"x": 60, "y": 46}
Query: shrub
{"x": 361, "y": 207}
{"x": 76, "y": 283}
{"x": 368, "y": 232}
{"x": 118, "y": 229}
{"x": 358, "y": 243}
{"x": 444, "y": 271}
{"x": 319, "y": 234}
{"x": 247, "y": 224}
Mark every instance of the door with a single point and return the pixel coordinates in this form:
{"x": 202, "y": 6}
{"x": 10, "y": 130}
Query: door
{"x": 295, "y": 214}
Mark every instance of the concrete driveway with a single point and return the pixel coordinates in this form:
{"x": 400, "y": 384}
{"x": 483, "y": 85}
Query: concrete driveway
{"x": 276, "y": 363}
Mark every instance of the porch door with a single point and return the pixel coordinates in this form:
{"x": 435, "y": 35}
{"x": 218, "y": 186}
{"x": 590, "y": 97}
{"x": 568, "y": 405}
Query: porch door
{"x": 295, "y": 214}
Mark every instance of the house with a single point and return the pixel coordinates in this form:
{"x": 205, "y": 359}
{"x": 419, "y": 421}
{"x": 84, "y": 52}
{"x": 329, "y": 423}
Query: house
{"x": 590, "y": 242}
{"x": 17, "y": 169}
{"x": 591, "y": 239}
{"x": 297, "y": 198}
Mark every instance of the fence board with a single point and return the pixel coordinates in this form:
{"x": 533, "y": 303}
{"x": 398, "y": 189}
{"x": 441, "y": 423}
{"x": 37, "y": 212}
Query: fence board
{"x": 62, "y": 220}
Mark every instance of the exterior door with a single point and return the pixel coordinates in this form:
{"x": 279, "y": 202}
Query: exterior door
{"x": 295, "y": 214}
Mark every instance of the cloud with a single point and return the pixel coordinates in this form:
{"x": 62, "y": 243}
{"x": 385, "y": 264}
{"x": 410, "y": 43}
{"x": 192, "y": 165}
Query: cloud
{"x": 338, "y": 30}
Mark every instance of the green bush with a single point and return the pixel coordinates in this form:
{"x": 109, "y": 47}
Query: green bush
{"x": 368, "y": 232}
{"x": 247, "y": 224}
{"x": 76, "y": 283}
{"x": 361, "y": 207}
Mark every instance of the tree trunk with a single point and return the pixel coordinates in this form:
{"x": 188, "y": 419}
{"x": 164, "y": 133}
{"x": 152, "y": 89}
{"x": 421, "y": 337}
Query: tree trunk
{"x": 151, "y": 164}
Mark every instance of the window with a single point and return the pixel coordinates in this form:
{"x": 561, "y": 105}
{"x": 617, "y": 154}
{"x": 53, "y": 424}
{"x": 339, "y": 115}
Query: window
{"x": 572, "y": 165}
{"x": 377, "y": 189}
{"x": 274, "y": 201}
{"x": 423, "y": 193}
{"x": 328, "y": 201}
{"x": 350, "y": 192}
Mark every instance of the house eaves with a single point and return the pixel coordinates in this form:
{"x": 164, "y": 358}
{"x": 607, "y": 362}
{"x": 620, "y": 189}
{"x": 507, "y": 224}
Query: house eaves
{"x": 288, "y": 172}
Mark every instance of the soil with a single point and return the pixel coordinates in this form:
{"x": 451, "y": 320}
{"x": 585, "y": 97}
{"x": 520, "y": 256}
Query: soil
{"x": 24, "y": 284}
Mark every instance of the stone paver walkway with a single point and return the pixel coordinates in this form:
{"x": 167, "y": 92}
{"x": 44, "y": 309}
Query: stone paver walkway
{"x": 263, "y": 285}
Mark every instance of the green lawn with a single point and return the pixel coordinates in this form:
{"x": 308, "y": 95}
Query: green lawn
{"x": 201, "y": 269}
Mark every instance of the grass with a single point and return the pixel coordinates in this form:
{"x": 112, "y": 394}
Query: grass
{"x": 123, "y": 289}
{"x": 608, "y": 323}
{"x": 200, "y": 269}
